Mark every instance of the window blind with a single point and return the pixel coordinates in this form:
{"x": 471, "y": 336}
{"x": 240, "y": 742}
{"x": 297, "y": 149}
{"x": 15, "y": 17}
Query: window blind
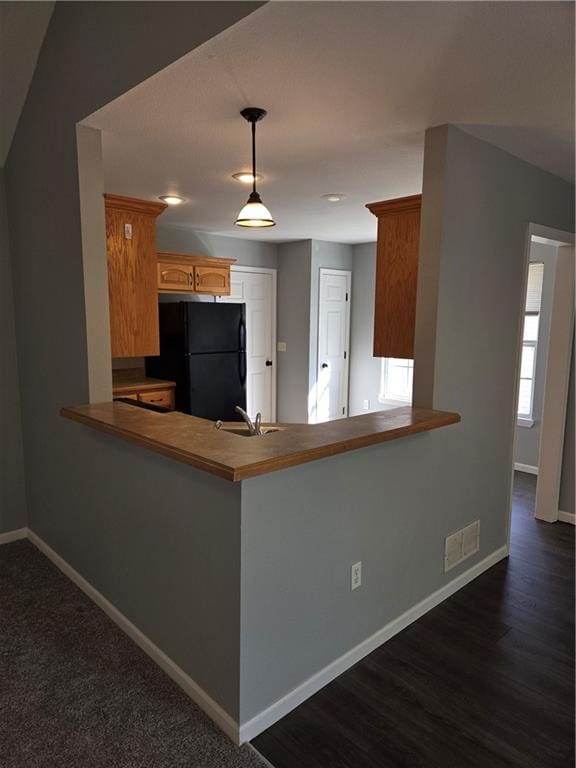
{"x": 534, "y": 289}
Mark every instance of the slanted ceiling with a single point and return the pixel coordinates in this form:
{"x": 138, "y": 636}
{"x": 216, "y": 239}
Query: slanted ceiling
{"x": 350, "y": 89}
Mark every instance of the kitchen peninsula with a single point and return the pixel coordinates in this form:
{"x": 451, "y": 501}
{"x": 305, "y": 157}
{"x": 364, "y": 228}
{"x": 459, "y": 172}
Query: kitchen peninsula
{"x": 238, "y": 550}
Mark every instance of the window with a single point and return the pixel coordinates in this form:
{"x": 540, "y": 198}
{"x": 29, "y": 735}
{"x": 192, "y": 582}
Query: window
{"x": 396, "y": 377}
{"x": 530, "y": 343}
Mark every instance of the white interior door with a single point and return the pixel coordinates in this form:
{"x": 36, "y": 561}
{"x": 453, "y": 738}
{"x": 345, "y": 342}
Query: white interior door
{"x": 333, "y": 345}
{"x": 257, "y": 290}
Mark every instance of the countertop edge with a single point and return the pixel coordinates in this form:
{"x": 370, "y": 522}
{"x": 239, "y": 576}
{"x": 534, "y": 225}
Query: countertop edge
{"x": 267, "y": 465}
{"x": 343, "y": 446}
{"x": 206, "y": 465}
{"x": 141, "y": 386}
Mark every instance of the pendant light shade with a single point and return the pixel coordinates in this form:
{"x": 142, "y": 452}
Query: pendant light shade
{"x": 254, "y": 213}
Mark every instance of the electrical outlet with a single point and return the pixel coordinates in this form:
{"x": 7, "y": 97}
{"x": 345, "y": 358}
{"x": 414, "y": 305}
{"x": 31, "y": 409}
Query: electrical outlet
{"x": 356, "y": 575}
{"x": 281, "y": 346}
{"x": 366, "y": 405}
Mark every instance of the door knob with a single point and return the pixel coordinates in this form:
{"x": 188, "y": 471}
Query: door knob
{"x": 324, "y": 365}
{"x": 268, "y": 363}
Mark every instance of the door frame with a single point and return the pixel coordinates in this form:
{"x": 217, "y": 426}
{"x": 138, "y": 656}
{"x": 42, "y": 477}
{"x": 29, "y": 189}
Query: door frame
{"x": 556, "y": 445}
{"x": 348, "y": 273}
{"x": 274, "y": 274}
{"x": 556, "y": 388}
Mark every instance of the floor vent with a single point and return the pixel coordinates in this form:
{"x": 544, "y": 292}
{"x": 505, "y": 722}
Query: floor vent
{"x": 461, "y": 545}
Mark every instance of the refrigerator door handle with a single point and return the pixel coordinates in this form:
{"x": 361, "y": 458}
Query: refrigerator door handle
{"x": 242, "y": 335}
{"x": 242, "y": 366}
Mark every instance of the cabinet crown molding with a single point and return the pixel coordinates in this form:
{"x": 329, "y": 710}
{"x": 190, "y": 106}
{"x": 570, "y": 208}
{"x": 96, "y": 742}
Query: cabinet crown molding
{"x": 397, "y": 205}
{"x": 133, "y": 204}
{"x": 196, "y": 261}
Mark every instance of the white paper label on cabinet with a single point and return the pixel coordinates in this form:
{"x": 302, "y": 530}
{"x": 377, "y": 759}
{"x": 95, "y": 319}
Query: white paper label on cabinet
{"x": 128, "y": 231}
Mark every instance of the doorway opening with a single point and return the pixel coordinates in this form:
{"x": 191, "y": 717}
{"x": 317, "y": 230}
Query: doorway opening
{"x": 544, "y": 404}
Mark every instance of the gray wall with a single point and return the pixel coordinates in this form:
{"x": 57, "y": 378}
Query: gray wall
{"x": 249, "y": 253}
{"x": 294, "y": 261}
{"x": 364, "y": 367}
{"x": 82, "y": 490}
{"x": 567, "y": 490}
{"x": 161, "y": 541}
{"x": 304, "y": 527}
{"x": 527, "y": 439}
{"x": 12, "y": 490}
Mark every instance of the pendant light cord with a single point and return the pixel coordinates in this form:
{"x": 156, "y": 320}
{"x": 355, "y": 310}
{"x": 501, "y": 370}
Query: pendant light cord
{"x": 253, "y": 156}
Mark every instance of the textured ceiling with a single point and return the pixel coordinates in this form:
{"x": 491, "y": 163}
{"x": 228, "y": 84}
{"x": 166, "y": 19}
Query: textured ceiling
{"x": 22, "y": 29}
{"x": 350, "y": 89}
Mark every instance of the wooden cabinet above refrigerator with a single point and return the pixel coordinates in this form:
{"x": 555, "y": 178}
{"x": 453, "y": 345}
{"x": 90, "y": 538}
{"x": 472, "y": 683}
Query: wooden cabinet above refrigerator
{"x": 181, "y": 273}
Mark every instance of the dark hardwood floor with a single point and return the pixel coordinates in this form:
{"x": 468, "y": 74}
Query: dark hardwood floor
{"x": 485, "y": 680}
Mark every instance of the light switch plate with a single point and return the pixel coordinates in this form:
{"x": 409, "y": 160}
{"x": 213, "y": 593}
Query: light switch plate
{"x": 281, "y": 346}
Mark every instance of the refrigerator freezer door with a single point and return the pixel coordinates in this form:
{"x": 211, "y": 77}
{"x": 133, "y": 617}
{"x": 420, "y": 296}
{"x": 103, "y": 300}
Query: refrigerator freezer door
{"x": 217, "y": 383}
{"x": 215, "y": 327}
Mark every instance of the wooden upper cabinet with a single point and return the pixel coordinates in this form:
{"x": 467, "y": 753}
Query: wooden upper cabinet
{"x": 132, "y": 279}
{"x": 214, "y": 280}
{"x": 181, "y": 273}
{"x": 396, "y": 275}
{"x": 175, "y": 277}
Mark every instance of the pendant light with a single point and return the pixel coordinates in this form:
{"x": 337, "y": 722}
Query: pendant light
{"x": 254, "y": 213}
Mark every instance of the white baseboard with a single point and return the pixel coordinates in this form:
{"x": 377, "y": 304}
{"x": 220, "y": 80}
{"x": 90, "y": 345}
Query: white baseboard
{"x": 291, "y": 700}
{"x": 567, "y": 517}
{"x": 192, "y": 689}
{"x": 525, "y": 468}
{"x": 16, "y": 535}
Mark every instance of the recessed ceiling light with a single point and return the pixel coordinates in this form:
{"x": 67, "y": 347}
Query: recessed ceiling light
{"x": 172, "y": 199}
{"x": 334, "y": 197}
{"x": 247, "y": 178}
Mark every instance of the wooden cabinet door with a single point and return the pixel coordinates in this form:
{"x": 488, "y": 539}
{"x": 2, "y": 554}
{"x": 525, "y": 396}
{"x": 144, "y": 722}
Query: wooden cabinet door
{"x": 175, "y": 277}
{"x": 396, "y": 276}
{"x": 132, "y": 288}
{"x": 212, "y": 280}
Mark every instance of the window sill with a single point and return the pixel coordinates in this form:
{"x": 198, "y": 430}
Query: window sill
{"x": 393, "y": 403}
{"x": 522, "y": 421}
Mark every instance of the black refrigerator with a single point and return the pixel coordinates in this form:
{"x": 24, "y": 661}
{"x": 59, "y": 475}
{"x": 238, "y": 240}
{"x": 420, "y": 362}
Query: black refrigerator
{"x": 203, "y": 349}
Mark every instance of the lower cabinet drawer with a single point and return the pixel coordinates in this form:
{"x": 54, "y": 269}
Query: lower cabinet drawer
{"x": 164, "y": 397}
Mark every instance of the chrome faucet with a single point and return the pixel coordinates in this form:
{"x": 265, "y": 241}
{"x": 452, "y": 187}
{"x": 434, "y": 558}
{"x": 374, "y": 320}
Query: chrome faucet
{"x": 253, "y": 427}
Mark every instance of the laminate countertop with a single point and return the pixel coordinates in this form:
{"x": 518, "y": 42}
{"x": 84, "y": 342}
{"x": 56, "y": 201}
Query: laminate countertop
{"x": 235, "y": 457}
{"x": 129, "y": 381}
